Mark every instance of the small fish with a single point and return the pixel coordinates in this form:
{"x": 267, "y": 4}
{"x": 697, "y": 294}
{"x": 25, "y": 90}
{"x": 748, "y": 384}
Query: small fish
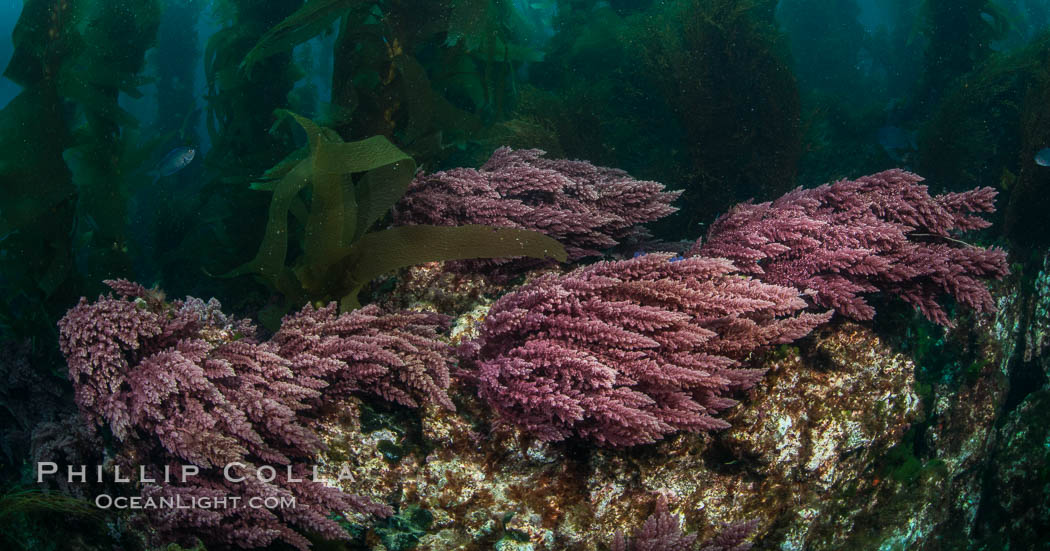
{"x": 896, "y": 141}
{"x": 1043, "y": 157}
{"x": 176, "y": 160}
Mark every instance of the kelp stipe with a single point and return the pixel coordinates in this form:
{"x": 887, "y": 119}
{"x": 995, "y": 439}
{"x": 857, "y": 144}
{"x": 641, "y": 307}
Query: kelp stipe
{"x": 69, "y": 157}
{"x": 426, "y": 76}
{"x": 988, "y": 128}
{"x": 339, "y": 256}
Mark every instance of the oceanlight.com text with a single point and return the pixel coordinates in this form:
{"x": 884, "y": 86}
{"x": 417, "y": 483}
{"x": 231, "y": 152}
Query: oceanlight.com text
{"x": 106, "y": 501}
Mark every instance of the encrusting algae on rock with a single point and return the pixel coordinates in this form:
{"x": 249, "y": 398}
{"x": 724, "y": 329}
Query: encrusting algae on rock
{"x": 513, "y": 428}
{"x": 639, "y": 340}
{"x": 808, "y": 429}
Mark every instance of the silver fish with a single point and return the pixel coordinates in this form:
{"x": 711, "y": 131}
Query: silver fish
{"x": 176, "y": 160}
{"x": 1043, "y": 157}
{"x": 896, "y": 141}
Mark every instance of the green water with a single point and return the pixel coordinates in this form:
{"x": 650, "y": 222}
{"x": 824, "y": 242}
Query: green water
{"x": 270, "y": 154}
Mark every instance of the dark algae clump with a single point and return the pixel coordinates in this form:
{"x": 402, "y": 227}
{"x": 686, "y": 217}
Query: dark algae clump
{"x": 556, "y": 275}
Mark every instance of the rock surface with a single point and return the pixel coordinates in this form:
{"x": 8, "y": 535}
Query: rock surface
{"x": 853, "y": 440}
{"x": 810, "y": 429}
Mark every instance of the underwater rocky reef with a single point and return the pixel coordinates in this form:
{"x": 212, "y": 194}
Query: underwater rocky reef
{"x": 690, "y": 275}
{"x": 512, "y": 415}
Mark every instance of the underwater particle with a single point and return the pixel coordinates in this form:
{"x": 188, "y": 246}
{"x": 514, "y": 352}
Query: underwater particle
{"x": 1043, "y": 157}
{"x": 176, "y": 160}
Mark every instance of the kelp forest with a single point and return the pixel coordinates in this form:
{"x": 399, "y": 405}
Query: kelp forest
{"x": 355, "y": 181}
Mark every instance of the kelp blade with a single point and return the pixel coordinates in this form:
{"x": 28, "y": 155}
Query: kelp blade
{"x": 379, "y": 190}
{"x": 307, "y": 22}
{"x": 269, "y": 262}
{"x": 314, "y": 133}
{"x": 384, "y": 251}
{"x": 268, "y": 181}
{"x": 331, "y": 221}
{"x": 334, "y": 212}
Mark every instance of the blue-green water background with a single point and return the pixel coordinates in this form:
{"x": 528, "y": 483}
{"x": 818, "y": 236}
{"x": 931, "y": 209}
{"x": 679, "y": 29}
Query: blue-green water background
{"x": 728, "y": 100}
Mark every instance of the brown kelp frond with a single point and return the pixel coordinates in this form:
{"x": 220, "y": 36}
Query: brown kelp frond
{"x": 338, "y": 255}
{"x": 312, "y": 19}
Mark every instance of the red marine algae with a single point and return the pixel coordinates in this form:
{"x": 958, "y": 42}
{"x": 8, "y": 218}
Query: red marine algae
{"x": 880, "y": 233}
{"x": 181, "y": 384}
{"x": 628, "y": 352}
